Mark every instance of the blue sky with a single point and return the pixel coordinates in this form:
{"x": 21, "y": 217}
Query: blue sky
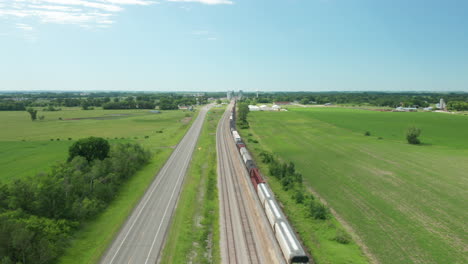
{"x": 217, "y": 45}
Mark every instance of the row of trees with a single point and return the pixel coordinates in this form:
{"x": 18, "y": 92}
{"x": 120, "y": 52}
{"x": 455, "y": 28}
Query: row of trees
{"x": 129, "y": 105}
{"x": 60, "y": 97}
{"x": 457, "y": 106}
{"x": 7, "y": 105}
{"x": 242, "y": 112}
{"x": 361, "y": 98}
{"x": 39, "y": 214}
{"x": 121, "y": 101}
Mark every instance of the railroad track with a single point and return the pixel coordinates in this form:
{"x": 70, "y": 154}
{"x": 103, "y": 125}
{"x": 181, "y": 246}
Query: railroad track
{"x": 229, "y": 172}
{"x": 228, "y": 226}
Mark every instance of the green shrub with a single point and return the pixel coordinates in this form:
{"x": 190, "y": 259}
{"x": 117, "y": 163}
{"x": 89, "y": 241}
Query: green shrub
{"x": 267, "y": 157}
{"x": 91, "y": 148}
{"x": 319, "y": 211}
{"x": 342, "y": 237}
{"x": 252, "y": 140}
{"x": 412, "y": 135}
{"x": 367, "y": 133}
{"x": 298, "y": 196}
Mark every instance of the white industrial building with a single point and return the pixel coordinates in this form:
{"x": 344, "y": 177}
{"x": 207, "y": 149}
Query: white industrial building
{"x": 254, "y": 108}
{"x": 442, "y": 105}
{"x": 264, "y": 108}
{"x": 276, "y": 107}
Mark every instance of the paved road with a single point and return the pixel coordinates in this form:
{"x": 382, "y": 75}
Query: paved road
{"x": 246, "y": 236}
{"x": 142, "y": 237}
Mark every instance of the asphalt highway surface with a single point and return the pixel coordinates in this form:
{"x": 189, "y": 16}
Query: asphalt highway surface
{"x": 142, "y": 236}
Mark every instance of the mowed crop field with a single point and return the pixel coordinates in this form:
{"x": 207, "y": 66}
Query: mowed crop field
{"x": 407, "y": 203}
{"x": 26, "y": 148}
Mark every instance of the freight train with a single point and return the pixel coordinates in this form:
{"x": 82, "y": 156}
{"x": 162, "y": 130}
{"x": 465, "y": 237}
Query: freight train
{"x": 290, "y": 245}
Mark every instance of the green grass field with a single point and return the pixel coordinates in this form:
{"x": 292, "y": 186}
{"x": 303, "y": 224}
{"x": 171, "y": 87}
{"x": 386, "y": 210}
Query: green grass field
{"x": 26, "y": 149}
{"x": 22, "y": 159}
{"x": 406, "y": 203}
{"x": 194, "y": 233}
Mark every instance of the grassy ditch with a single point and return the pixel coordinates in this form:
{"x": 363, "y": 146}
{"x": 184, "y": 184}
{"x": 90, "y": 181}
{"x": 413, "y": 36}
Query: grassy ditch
{"x": 194, "y": 233}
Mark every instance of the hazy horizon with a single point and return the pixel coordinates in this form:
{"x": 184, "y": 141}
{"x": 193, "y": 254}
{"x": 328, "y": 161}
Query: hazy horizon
{"x": 219, "y": 91}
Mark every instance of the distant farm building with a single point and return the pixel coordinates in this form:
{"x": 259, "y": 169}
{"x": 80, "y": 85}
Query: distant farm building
{"x": 185, "y": 107}
{"x": 264, "y": 108}
{"x": 282, "y": 103}
{"x": 406, "y": 109}
{"x": 276, "y": 107}
{"x": 254, "y": 108}
{"x": 441, "y": 105}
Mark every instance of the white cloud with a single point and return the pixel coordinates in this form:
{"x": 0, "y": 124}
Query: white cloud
{"x": 206, "y": 2}
{"x": 85, "y": 13}
{"x": 129, "y": 2}
{"x": 24, "y": 27}
{"x": 28, "y": 32}
{"x": 200, "y": 32}
{"x": 57, "y": 7}
{"x": 204, "y": 34}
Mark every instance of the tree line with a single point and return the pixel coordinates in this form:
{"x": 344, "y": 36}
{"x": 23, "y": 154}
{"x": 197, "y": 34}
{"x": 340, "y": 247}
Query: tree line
{"x": 7, "y": 105}
{"x": 457, "y": 106}
{"x": 382, "y": 99}
{"x": 120, "y": 101}
{"x": 38, "y": 215}
{"x": 242, "y": 113}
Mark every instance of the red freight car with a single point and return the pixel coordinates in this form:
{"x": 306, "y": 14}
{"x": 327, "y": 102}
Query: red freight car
{"x": 255, "y": 177}
{"x": 240, "y": 145}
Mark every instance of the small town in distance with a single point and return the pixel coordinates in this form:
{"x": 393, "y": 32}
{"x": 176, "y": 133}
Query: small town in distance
{"x": 233, "y": 132}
